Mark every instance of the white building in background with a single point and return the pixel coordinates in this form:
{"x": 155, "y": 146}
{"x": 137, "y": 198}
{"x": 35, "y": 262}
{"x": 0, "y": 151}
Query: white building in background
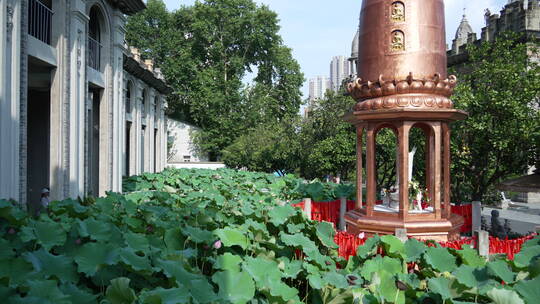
{"x": 78, "y": 109}
{"x": 339, "y": 71}
{"x": 182, "y": 151}
{"x": 318, "y": 87}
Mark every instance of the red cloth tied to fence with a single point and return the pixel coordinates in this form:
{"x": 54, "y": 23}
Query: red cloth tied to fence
{"x": 348, "y": 243}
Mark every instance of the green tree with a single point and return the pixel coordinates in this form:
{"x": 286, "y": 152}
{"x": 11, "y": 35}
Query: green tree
{"x": 328, "y": 142}
{"x": 206, "y": 51}
{"x": 499, "y": 88}
{"x": 268, "y": 148}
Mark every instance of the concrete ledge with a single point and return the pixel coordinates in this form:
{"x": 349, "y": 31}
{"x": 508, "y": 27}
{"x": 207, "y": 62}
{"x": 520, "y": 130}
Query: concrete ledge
{"x": 41, "y": 51}
{"x": 95, "y": 77}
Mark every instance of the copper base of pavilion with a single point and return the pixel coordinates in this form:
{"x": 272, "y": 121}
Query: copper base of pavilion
{"x": 419, "y": 226}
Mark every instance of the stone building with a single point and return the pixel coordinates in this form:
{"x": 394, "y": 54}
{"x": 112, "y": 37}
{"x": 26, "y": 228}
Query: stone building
{"x": 522, "y": 16}
{"x": 78, "y": 108}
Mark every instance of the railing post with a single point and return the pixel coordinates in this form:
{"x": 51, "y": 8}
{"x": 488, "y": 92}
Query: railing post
{"x": 476, "y": 216}
{"x": 307, "y": 207}
{"x": 482, "y": 238}
{"x": 401, "y": 234}
{"x": 342, "y": 210}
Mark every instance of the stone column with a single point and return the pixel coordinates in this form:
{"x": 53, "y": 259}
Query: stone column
{"x": 137, "y": 124}
{"x": 149, "y": 138}
{"x": 72, "y": 98}
{"x": 10, "y": 92}
{"x": 118, "y": 113}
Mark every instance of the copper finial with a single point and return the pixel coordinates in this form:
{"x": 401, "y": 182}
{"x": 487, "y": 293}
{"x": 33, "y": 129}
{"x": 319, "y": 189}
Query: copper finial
{"x": 403, "y": 52}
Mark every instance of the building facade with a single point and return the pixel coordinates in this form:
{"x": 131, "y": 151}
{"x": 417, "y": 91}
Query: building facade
{"x": 78, "y": 109}
{"x": 339, "y": 71}
{"x": 318, "y": 87}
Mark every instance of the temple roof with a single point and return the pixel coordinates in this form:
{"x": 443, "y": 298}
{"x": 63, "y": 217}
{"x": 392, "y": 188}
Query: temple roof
{"x": 354, "y": 47}
{"x": 464, "y": 29}
{"x": 529, "y": 183}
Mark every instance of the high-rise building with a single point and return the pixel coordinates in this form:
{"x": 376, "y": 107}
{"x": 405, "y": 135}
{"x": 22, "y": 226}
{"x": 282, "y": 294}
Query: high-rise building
{"x": 339, "y": 70}
{"x": 318, "y": 87}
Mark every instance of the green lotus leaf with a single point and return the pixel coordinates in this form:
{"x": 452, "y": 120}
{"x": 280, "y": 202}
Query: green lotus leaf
{"x": 78, "y": 295}
{"x": 470, "y": 257}
{"x": 529, "y": 290}
{"x": 369, "y": 248}
{"x": 44, "y": 292}
{"x": 500, "y": 269}
{"x": 280, "y": 214}
{"x": 49, "y": 265}
{"x": 202, "y": 291}
{"x": 394, "y": 247}
{"x": 17, "y": 271}
{"x": 232, "y": 237}
{"x": 388, "y": 264}
{"x": 137, "y": 241}
{"x": 504, "y": 296}
{"x": 335, "y": 279}
{"x": 291, "y": 268}
{"x": 229, "y": 262}
{"x": 138, "y": 263}
{"x": 440, "y": 259}
{"x": 47, "y": 233}
{"x": 236, "y": 287}
{"x": 414, "y": 250}
{"x": 441, "y": 286}
{"x": 92, "y": 256}
{"x": 198, "y": 235}
{"x": 325, "y": 233}
{"x": 526, "y": 256}
{"x": 470, "y": 276}
{"x": 173, "y": 239}
{"x": 7, "y": 250}
{"x": 316, "y": 281}
{"x": 166, "y": 296}
{"x": 119, "y": 292}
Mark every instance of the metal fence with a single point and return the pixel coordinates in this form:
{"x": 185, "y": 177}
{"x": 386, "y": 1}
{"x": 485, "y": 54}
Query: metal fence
{"x": 39, "y": 21}
{"x": 94, "y": 54}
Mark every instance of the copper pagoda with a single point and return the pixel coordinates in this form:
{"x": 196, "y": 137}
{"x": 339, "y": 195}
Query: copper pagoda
{"x": 402, "y": 84}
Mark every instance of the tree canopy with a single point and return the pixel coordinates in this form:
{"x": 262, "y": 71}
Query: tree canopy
{"x": 499, "y": 88}
{"x": 206, "y": 52}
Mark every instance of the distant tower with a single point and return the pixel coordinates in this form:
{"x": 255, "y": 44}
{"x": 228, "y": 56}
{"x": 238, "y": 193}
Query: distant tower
{"x": 462, "y": 35}
{"x": 339, "y": 71}
{"x": 318, "y": 87}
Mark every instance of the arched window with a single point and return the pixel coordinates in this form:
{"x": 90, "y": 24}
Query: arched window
{"x": 94, "y": 38}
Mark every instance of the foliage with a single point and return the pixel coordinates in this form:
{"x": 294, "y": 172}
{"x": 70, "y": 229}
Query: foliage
{"x": 499, "y": 88}
{"x": 206, "y": 51}
{"x": 268, "y": 148}
{"x": 329, "y": 143}
{"x": 202, "y": 236}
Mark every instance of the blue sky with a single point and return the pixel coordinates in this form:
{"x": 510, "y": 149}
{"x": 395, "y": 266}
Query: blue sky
{"x": 316, "y": 30}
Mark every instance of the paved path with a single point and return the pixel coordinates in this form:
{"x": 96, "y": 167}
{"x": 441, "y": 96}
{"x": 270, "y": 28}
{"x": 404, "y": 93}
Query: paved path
{"x": 523, "y": 218}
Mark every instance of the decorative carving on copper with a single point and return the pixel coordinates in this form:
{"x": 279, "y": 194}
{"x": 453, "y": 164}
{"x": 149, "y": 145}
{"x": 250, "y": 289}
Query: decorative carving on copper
{"x": 398, "y": 12}
{"x": 431, "y": 92}
{"x": 398, "y": 41}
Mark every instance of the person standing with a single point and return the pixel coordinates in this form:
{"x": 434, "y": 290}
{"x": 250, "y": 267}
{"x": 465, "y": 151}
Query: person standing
{"x": 44, "y": 202}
